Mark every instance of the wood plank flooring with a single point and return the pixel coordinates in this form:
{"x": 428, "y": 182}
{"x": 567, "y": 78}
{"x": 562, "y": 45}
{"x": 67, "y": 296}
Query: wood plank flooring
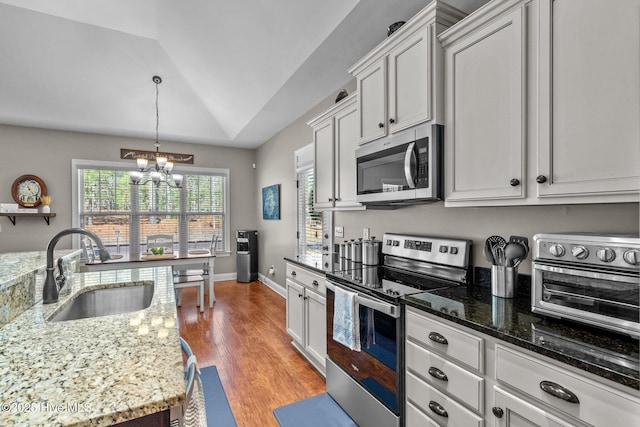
{"x": 245, "y": 336}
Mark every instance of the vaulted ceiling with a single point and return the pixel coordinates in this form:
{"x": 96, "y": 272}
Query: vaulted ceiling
{"x": 234, "y": 72}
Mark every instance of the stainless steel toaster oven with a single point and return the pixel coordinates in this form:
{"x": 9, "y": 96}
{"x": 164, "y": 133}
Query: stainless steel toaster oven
{"x": 588, "y": 278}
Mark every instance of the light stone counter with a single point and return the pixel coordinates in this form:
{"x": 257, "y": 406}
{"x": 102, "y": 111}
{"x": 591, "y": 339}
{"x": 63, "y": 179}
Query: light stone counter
{"x": 97, "y": 371}
{"x": 20, "y": 273}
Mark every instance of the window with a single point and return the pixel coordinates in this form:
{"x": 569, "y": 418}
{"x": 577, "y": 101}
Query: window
{"x": 309, "y": 221}
{"x": 123, "y": 215}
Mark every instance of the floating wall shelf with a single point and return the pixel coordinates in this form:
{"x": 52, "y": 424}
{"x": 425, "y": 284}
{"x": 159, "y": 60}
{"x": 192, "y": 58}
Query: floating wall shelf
{"x": 12, "y": 215}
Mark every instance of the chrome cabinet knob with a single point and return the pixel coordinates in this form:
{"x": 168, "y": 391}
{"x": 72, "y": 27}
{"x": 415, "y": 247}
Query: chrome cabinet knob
{"x": 580, "y": 252}
{"x": 606, "y": 254}
{"x": 557, "y": 250}
{"x": 632, "y": 256}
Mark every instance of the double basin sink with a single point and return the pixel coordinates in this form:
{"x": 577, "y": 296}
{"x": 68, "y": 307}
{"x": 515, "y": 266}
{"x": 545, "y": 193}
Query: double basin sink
{"x": 105, "y": 302}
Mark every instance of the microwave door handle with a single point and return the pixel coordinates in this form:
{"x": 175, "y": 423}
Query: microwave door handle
{"x": 409, "y": 158}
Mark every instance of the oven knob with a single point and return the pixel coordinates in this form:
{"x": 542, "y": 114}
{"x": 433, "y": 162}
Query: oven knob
{"x": 556, "y": 250}
{"x": 606, "y": 254}
{"x": 580, "y": 252}
{"x": 632, "y": 256}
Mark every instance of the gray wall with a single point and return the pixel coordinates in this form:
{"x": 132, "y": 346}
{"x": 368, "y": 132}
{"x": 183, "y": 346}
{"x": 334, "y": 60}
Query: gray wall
{"x": 275, "y": 165}
{"x": 48, "y": 154}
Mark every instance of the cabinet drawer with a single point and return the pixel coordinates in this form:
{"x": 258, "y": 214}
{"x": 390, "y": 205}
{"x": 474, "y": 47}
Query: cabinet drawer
{"x": 597, "y": 404}
{"x": 462, "y": 384}
{"x": 449, "y": 340}
{"x": 310, "y": 280}
{"x": 415, "y": 418}
{"x": 427, "y": 398}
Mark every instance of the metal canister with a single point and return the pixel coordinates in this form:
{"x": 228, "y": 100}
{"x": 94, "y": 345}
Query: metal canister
{"x": 371, "y": 251}
{"x": 342, "y": 247}
{"x": 347, "y": 249}
{"x": 356, "y": 250}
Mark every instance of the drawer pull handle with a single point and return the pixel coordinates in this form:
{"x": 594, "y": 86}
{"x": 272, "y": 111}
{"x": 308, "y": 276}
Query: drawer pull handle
{"x": 558, "y": 391}
{"x": 439, "y": 338}
{"x": 438, "y": 374}
{"x": 315, "y": 283}
{"x": 498, "y": 412}
{"x": 293, "y": 273}
{"x": 438, "y": 409}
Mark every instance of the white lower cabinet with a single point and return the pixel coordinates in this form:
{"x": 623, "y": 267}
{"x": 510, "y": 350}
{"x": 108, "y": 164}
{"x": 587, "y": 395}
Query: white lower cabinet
{"x": 512, "y": 387}
{"x": 306, "y": 314}
{"x": 511, "y": 411}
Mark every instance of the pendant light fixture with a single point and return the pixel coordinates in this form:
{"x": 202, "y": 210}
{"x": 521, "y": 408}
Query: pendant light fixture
{"x": 160, "y": 172}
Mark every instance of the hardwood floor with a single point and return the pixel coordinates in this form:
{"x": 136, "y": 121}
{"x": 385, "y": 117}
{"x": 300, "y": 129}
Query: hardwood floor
{"x": 245, "y": 336}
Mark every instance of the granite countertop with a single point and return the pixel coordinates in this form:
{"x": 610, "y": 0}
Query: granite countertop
{"x": 97, "y": 371}
{"x": 316, "y": 262}
{"x": 15, "y": 265}
{"x": 511, "y": 320}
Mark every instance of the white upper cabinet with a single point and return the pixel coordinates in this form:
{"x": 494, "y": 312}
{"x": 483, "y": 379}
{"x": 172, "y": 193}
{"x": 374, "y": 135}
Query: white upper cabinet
{"x": 484, "y": 128}
{"x": 335, "y": 140}
{"x": 398, "y": 81}
{"x": 589, "y": 97}
{"x": 541, "y": 107}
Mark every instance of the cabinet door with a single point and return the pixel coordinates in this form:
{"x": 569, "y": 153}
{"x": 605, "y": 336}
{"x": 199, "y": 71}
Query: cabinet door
{"x": 323, "y": 165}
{"x": 346, "y": 141}
{"x": 372, "y": 102}
{"x": 295, "y": 311}
{"x": 590, "y": 97}
{"x": 409, "y": 81}
{"x": 485, "y": 107}
{"x": 316, "y": 326}
{"x": 511, "y": 411}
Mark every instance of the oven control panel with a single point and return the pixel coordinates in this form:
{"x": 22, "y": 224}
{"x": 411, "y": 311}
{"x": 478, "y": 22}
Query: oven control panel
{"x": 617, "y": 251}
{"x": 445, "y": 251}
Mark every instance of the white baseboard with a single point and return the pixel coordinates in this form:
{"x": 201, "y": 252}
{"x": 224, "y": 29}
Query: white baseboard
{"x": 280, "y": 290}
{"x": 225, "y": 276}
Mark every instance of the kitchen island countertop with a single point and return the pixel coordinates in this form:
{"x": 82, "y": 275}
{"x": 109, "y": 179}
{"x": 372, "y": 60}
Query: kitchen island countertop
{"x": 97, "y": 371}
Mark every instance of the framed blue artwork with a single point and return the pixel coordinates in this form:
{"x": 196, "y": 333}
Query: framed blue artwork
{"x": 271, "y": 202}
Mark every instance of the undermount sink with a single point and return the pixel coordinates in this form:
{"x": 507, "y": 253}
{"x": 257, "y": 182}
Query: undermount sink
{"x": 107, "y": 301}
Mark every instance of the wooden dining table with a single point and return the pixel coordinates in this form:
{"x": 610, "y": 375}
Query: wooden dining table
{"x": 193, "y": 257}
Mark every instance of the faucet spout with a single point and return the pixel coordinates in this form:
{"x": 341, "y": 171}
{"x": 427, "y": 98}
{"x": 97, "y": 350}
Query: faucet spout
{"x": 50, "y": 289}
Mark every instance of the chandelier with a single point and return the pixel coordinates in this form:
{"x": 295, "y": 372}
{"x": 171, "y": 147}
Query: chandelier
{"x": 160, "y": 172}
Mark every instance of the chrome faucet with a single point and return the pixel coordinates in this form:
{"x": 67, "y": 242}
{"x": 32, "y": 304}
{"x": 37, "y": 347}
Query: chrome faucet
{"x": 50, "y": 289}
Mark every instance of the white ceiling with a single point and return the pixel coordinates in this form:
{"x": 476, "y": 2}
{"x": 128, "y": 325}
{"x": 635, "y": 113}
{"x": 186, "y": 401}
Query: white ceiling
{"x": 234, "y": 72}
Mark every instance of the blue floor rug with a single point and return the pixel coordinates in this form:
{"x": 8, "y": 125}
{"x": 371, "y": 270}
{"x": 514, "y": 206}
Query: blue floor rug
{"x": 316, "y": 411}
{"x": 218, "y": 410}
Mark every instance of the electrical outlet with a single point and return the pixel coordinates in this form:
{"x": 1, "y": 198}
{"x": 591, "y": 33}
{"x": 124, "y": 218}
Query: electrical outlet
{"x": 366, "y": 233}
{"x": 339, "y": 231}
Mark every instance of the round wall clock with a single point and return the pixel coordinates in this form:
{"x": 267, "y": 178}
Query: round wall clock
{"x": 27, "y": 191}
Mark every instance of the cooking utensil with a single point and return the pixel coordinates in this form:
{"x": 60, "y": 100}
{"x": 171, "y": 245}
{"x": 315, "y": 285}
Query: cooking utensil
{"x": 522, "y": 241}
{"x": 488, "y": 254}
{"x": 512, "y": 252}
{"x": 494, "y": 243}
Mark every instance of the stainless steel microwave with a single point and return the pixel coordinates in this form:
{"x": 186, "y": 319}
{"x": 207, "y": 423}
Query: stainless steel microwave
{"x": 403, "y": 169}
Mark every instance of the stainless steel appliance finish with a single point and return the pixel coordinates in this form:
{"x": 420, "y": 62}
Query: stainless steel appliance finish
{"x": 403, "y": 169}
{"x": 247, "y": 255}
{"x": 588, "y": 278}
{"x": 368, "y": 384}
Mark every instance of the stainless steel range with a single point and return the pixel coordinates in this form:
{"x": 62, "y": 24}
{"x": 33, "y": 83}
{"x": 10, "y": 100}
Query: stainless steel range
{"x": 365, "y": 375}
{"x": 588, "y": 278}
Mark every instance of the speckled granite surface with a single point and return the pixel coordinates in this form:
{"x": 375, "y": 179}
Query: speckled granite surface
{"x": 319, "y": 263}
{"x": 511, "y": 320}
{"x": 97, "y": 371}
{"x": 19, "y": 273}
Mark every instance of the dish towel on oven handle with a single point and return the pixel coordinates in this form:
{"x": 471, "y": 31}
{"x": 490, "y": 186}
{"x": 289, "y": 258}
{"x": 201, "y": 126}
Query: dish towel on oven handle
{"x": 346, "y": 321}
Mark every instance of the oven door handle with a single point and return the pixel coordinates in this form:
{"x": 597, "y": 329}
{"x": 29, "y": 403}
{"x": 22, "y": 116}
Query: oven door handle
{"x": 383, "y": 307}
{"x": 409, "y": 158}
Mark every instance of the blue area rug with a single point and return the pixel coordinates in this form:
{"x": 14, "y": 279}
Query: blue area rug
{"x": 218, "y": 410}
{"x": 316, "y": 411}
